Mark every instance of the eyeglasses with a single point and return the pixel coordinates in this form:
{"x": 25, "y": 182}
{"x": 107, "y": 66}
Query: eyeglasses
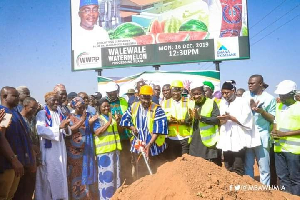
{"x": 88, "y": 11}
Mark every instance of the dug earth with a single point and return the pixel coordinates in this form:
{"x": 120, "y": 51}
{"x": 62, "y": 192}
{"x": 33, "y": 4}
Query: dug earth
{"x": 194, "y": 178}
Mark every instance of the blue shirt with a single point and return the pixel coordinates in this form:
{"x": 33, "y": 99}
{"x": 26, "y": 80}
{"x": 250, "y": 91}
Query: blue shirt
{"x": 18, "y": 138}
{"x": 261, "y": 124}
{"x": 160, "y": 127}
{"x": 91, "y": 110}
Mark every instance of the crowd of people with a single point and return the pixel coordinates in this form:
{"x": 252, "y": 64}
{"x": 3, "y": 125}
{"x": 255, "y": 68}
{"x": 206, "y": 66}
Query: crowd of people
{"x": 78, "y": 146}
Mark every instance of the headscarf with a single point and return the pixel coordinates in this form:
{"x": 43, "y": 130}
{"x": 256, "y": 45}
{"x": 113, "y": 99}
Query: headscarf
{"x": 76, "y": 102}
{"x": 59, "y": 87}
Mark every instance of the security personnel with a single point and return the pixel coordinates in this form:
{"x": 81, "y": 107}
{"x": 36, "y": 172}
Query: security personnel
{"x": 286, "y": 132}
{"x": 205, "y": 126}
{"x": 148, "y": 122}
{"x": 118, "y": 106}
{"x": 180, "y": 129}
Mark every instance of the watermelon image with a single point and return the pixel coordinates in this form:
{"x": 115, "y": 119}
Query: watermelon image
{"x": 172, "y": 25}
{"x": 155, "y": 27}
{"x": 172, "y": 37}
{"x": 128, "y": 30}
{"x": 145, "y": 39}
{"x": 196, "y": 35}
{"x": 193, "y": 25}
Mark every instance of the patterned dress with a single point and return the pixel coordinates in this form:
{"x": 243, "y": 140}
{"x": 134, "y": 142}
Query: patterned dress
{"x": 75, "y": 148}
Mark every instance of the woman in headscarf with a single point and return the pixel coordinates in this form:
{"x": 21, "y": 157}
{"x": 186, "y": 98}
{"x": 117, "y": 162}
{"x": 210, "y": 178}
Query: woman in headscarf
{"x": 82, "y": 167}
{"x": 108, "y": 146}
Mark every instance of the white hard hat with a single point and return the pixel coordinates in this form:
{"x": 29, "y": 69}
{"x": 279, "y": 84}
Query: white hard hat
{"x": 111, "y": 87}
{"x": 194, "y": 85}
{"x": 285, "y": 87}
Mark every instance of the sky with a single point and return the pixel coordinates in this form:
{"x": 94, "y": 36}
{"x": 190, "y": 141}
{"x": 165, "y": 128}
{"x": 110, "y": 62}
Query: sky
{"x": 35, "y": 47}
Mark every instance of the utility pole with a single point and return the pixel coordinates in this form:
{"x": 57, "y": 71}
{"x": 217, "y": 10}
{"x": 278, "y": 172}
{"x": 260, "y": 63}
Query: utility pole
{"x": 217, "y": 64}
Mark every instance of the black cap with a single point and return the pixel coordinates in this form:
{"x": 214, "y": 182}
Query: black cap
{"x": 97, "y": 95}
{"x": 72, "y": 95}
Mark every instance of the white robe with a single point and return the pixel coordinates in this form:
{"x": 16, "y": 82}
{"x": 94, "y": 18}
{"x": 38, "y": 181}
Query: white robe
{"x": 51, "y": 178}
{"x": 234, "y": 137}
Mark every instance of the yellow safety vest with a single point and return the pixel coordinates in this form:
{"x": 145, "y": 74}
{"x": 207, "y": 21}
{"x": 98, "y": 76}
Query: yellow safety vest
{"x": 179, "y": 114}
{"x": 123, "y": 104}
{"x": 209, "y": 133}
{"x": 160, "y": 140}
{"x": 109, "y": 140}
{"x": 290, "y": 122}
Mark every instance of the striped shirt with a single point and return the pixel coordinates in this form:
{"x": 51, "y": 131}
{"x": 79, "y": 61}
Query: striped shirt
{"x": 160, "y": 127}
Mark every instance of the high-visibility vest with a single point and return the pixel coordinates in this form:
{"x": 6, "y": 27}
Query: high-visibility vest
{"x": 209, "y": 133}
{"x": 290, "y": 122}
{"x": 160, "y": 140}
{"x": 109, "y": 140}
{"x": 179, "y": 114}
{"x": 218, "y": 101}
{"x": 123, "y": 104}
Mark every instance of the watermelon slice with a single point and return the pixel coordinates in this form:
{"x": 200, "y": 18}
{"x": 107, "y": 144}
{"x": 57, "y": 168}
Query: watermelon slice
{"x": 145, "y": 39}
{"x": 155, "y": 27}
{"x": 172, "y": 37}
{"x": 196, "y": 35}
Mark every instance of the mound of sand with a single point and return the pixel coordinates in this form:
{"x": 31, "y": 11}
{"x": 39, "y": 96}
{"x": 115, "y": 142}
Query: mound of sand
{"x": 195, "y": 178}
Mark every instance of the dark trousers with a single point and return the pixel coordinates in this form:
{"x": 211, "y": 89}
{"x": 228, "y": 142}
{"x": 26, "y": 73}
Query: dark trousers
{"x": 235, "y": 161}
{"x": 273, "y": 178}
{"x": 288, "y": 171}
{"x": 26, "y": 186}
{"x": 176, "y": 148}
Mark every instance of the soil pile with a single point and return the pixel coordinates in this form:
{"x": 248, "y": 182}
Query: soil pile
{"x": 195, "y": 178}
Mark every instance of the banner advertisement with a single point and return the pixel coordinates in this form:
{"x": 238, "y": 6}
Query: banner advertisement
{"x": 121, "y": 33}
{"x": 161, "y": 78}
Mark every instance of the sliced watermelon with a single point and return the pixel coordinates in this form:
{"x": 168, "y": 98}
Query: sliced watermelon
{"x": 196, "y": 35}
{"x": 172, "y": 37}
{"x": 155, "y": 27}
{"x": 145, "y": 39}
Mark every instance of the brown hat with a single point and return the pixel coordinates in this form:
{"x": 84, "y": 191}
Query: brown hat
{"x": 131, "y": 91}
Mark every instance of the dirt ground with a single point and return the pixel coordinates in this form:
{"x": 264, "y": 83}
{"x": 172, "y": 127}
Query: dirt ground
{"x": 195, "y": 178}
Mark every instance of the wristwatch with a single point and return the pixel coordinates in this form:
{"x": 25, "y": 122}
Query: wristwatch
{"x": 13, "y": 157}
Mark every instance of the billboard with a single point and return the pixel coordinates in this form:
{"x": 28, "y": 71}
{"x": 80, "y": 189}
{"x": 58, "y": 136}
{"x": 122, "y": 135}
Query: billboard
{"x": 121, "y": 33}
{"x": 161, "y": 78}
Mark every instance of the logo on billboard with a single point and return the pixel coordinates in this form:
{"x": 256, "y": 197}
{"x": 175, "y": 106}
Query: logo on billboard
{"x": 86, "y": 59}
{"x": 226, "y": 48}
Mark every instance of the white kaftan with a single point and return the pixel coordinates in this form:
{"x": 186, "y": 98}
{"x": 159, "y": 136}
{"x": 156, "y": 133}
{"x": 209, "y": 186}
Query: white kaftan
{"x": 234, "y": 137}
{"x": 51, "y": 177}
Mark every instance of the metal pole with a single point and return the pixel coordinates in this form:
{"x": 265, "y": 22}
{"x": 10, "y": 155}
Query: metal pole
{"x": 217, "y": 64}
{"x": 156, "y": 67}
{"x": 99, "y": 71}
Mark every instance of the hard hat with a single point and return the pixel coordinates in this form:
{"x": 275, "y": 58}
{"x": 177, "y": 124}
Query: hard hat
{"x": 177, "y": 83}
{"x": 146, "y": 90}
{"x": 194, "y": 85}
{"x": 111, "y": 87}
{"x": 130, "y": 91}
{"x": 209, "y": 84}
{"x": 285, "y": 87}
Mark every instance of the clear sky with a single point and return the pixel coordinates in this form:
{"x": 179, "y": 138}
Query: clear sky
{"x": 35, "y": 47}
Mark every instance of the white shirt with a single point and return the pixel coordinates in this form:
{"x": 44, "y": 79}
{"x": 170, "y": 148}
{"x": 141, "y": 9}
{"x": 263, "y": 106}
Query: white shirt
{"x": 234, "y": 137}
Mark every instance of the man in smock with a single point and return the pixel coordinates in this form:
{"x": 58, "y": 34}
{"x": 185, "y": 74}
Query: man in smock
{"x": 51, "y": 180}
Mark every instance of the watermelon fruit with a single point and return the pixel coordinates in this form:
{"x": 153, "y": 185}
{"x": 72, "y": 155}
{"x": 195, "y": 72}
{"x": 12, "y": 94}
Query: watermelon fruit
{"x": 172, "y": 25}
{"x": 155, "y": 27}
{"x": 172, "y": 37}
{"x": 128, "y": 30}
{"x": 193, "y": 25}
{"x": 196, "y": 35}
{"x": 145, "y": 39}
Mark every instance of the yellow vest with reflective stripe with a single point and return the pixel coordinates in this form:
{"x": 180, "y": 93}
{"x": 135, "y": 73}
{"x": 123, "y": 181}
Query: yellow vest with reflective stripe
{"x": 123, "y": 104}
{"x": 209, "y": 133}
{"x": 290, "y": 122}
{"x": 109, "y": 140}
{"x": 160, "y": 140}
{"x": 179, "y": 114}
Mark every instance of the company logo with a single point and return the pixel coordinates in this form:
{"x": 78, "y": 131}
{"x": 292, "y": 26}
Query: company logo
{"x": 224, "y": 51}
{"x": 86, "y": 59}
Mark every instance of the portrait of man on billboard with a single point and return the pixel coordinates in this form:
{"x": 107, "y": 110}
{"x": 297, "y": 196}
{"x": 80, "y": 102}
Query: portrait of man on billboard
{"x": 88, "y": 33}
